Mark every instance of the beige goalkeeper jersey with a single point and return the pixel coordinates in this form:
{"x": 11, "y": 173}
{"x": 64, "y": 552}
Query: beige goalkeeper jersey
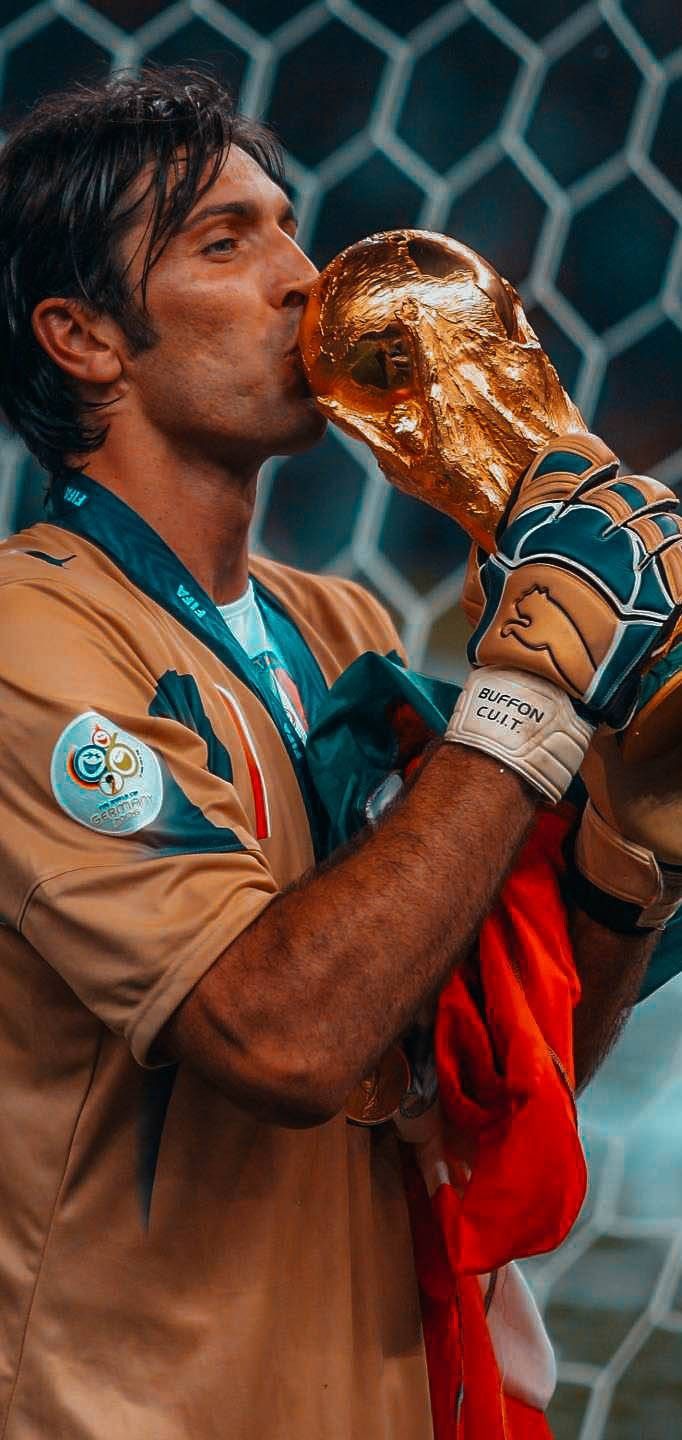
{"x": 170, "y": 1268}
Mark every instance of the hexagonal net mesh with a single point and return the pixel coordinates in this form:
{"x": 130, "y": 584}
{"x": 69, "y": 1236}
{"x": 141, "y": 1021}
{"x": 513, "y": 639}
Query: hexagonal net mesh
{"x": 547, "y": 137}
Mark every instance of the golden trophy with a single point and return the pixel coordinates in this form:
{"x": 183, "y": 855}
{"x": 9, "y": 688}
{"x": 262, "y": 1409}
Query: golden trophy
{"x": 414, "y": 344}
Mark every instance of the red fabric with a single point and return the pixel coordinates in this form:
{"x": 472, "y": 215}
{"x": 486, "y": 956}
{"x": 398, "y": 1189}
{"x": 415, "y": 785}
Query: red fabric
{"x": 505, "y": 1068}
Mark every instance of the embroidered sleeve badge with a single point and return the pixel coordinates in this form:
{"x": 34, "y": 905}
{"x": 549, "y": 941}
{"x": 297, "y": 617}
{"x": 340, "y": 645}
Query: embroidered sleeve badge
{"x": 105, "y": 778}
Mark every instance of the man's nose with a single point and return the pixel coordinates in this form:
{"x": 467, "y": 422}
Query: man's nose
{"x": 295, "y": 279}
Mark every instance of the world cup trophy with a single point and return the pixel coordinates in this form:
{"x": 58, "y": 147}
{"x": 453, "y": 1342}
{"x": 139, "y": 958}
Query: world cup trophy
{"x": 415, "y": 344}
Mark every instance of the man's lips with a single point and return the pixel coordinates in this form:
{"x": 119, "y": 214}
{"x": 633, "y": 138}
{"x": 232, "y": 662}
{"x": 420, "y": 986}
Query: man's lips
{"x": 293, "y": 356}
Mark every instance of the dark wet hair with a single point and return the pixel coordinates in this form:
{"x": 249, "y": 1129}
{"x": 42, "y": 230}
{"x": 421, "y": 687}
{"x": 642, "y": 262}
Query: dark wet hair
{"x": 65, "y": 203}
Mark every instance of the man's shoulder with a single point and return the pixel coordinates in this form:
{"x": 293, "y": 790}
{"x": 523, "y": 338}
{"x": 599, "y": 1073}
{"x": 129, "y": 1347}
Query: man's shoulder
{"x": 61, "y": 606}
{"x": 39, "y": 578}
{"x": 38, "y": 553}
{"x": 48, "y": 560}
{"x": 50, "y": 571}
{"x": 341, "y": 611}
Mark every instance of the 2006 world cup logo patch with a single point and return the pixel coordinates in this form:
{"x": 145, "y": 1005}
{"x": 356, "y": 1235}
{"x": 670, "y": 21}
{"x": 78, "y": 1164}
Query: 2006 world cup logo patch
{"x": 105, "y": 778}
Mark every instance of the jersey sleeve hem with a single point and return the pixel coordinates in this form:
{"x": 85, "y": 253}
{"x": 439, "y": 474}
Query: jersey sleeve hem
{"x": 193, "y": 953}
{"x": 177, "y": 982}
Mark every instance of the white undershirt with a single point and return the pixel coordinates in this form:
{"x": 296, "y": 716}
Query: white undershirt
{"x": 246, "y": 623}
{"x": 243, "y": 617}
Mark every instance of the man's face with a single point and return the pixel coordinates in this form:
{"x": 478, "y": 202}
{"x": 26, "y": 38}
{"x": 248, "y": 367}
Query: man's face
{"x": 224, "y": 379}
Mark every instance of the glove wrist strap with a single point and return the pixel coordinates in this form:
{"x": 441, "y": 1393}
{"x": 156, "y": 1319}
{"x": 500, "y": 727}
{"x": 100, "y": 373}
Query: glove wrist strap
{"x": 620, "y": 883}
{"x": 526, "y": 722}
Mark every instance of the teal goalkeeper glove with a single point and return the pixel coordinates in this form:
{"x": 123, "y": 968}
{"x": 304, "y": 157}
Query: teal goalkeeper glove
{"x": 585, "y": 583}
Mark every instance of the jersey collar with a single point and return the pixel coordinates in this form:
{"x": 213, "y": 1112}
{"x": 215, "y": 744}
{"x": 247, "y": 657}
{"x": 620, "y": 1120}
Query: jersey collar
{"x": 82, "y": 506}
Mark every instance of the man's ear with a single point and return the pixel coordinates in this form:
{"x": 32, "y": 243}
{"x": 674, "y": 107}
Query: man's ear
{"x": 85, "y": 345}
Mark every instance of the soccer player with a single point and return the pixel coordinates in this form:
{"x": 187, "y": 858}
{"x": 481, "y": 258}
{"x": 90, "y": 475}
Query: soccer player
{"x": 222, "y": 1256}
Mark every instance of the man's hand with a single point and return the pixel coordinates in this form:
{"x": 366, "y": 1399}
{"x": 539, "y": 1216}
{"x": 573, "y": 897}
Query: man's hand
{"x": 628, "y": 851}
{"x": 585, "y": 582}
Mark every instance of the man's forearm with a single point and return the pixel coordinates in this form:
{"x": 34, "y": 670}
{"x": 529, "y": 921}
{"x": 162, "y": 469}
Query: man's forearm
{"x": 611, "y": 969}
{"x": 310, "y": 996}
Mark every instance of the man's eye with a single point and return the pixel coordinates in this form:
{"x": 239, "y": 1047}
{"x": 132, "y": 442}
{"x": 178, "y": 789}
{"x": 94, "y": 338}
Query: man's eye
{"x": 223, "y": 245}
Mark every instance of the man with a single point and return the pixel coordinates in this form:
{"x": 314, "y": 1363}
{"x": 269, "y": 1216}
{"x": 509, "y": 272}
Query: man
{"x": 238, "y": 1264}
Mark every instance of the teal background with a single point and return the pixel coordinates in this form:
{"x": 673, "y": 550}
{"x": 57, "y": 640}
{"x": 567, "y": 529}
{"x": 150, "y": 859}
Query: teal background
{"x": 547, "y": 134}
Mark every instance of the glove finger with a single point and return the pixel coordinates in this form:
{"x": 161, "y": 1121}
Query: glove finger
{"x": 559, "y": 473}
{"x": 625, "y": 495}
{"x": 666, "y": 553}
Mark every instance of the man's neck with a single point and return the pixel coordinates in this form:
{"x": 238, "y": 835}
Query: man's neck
{"x": 201, "y": 511}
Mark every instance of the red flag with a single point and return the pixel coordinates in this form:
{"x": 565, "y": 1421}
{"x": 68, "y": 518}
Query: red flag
{"x": 506, "y": 1176}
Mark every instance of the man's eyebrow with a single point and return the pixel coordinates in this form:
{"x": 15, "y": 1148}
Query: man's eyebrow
{"x": 235, "y": 207}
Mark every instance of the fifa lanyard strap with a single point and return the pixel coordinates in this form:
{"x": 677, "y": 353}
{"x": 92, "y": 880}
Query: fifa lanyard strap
{"x": 80, "y": 505}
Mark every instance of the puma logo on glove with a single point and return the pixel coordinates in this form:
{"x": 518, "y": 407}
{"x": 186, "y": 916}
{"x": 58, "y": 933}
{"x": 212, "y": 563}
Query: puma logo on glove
{"x": 540, "y": 623}
{"x": 586, "y": 579}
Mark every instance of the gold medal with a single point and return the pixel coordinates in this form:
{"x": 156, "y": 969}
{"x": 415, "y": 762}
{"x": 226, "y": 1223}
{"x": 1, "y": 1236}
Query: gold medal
{"x": 378, "y": 1096}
